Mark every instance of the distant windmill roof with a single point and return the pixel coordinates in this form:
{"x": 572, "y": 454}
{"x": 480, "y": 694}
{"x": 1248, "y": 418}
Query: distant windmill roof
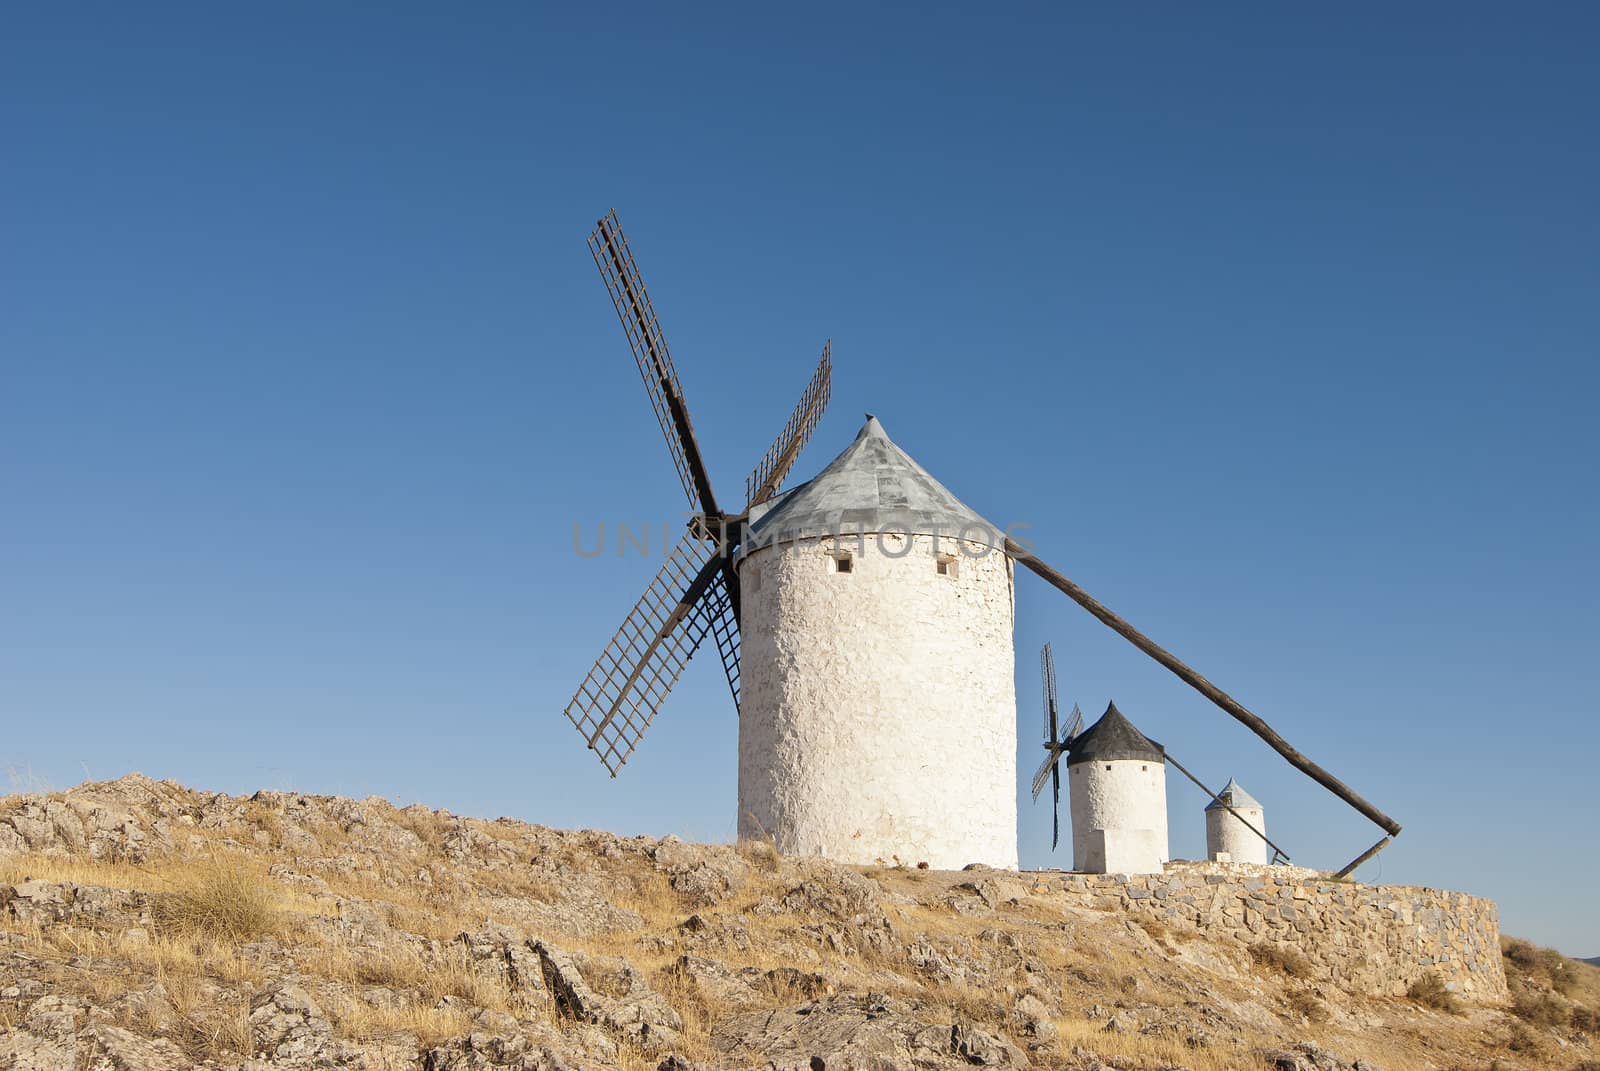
{"x": 874, "y": 486}
{"x": 1233, "y": 796}
{"x": 1113, "y": 737}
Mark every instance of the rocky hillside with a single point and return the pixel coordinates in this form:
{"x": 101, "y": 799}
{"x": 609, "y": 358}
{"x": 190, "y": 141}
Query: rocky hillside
{"x": 148, "y": 926}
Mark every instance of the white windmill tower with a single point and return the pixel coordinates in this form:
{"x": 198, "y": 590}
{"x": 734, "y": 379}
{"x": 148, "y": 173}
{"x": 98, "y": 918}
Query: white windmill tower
{"x": 877, "y": 718}
{"x": 1117, "y": 780}
{"x": 1229, "y": 821}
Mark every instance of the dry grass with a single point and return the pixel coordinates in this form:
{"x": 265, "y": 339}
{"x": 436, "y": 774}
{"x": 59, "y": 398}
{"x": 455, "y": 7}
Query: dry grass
{"x": 427, "y": 1025}
{"x": 1526, "y": 962}
{"x": 1523, "y": 1041}
{"x": 1157, "y": 929}
{"x": 408, "y": 968}
{"x": 1430, "y": 992}
{"x": 108, "y": 873}
{"x": 226, "y": 898}
{"x": 697, "y": 1013}
{"x": 1149, "y": 1051}
{"x": 1284, "y": 959}
{"x": 1541, "y": 1009}
{"x": 762, "y": 855}
{"x": 1304, "y": 1003}
{"x": 1550, "y": 991}
{"x": 651, "y": 896}
{"x": 962, "y": 1001}
{"x": 204, "y": 1023}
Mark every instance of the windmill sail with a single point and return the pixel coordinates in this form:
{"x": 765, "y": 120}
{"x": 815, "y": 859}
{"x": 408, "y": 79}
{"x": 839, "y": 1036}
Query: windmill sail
{"x": 1042, "y": 774}
{"x": 639, "y": 667}
{"x": 1074, "y": 727}
{"x": 717, "y": 606}
{"x": 768, "y": 476}
{"x": 615, "y": 261}
{"x": 1055, "y": 748}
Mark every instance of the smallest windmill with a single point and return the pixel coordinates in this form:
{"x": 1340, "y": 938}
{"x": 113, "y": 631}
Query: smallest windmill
{"x": 1056, "y": 743}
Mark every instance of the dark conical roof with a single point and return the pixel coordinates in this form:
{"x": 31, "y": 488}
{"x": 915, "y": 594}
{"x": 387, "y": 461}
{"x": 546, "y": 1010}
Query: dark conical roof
{"x": 1113, "y": 737}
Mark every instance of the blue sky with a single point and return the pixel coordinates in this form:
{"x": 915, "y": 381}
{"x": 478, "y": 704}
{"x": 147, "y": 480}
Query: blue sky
{"x": 1278, "y": 328}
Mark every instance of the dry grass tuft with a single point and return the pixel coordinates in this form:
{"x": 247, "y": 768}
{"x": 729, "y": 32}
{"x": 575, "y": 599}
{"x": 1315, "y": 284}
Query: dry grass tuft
{"x": 963, "y": 1000}
{"x": 693, "y": 1008}
{"x": 1529, "y": 962}
{"x": 1143, "y": 1050}
{"x": 409, "y": 968}
{"x": 1523, "y": 1041}
{"x": 429, "y": 1026}
{"x": 1158, "y": 931}
{"x": 222, "y": 898}
{"x": 205, "y": 1023}
{"x": 1281, "y": 958}
{"x": 1541, "y": 1009}
{"x": 651, "y": 896}
{"x": 1305, "y": 1004}
{"x": 761, "y": 854}
{"x": 1431, "y": 992}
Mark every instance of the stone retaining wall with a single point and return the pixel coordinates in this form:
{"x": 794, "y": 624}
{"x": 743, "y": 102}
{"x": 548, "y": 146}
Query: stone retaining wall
{"x": 1363, "y": 938}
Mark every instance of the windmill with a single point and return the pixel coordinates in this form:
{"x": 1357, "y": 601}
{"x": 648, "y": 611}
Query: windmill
{"x": 1058, "y": 748}
{"x": 698, "y": 593}
{"x": 1056, "y": 744}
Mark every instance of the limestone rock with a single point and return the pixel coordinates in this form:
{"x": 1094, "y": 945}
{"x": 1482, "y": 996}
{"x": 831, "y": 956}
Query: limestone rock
{"x": 23, "y": 1050}
{"x": 288, "y": 1025}
{"x": 858, "y": 1031}
{"x": 110, "y": 1048}
{"x": 726, "y": 986}
{"x": 631, "y": 1009}
{"x": 509, "y": 956}
{"x": 483, "y": 1051}
{"x": 1309, "y": 1056}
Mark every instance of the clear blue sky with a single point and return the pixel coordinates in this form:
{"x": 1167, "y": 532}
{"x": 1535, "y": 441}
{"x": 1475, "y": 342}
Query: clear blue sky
{"x": 1279, "y": 328}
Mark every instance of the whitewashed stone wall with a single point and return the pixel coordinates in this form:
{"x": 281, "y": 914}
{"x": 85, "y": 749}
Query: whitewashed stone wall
{"x": 878, "y": 710}
{"x": 1119, "y": 816}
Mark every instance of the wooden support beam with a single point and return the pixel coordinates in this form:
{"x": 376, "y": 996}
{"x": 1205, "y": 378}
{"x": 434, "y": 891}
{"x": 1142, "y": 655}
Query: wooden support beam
{"x": 1363, "y": 857}
{"x": 1194, "y": 680}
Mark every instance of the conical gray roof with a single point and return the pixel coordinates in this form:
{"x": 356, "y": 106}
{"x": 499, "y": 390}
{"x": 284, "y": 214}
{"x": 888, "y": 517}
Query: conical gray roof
{"x": 874, "y": 486}
{"x": 1113, "y": 737}
{"x": 1234, "y": 796}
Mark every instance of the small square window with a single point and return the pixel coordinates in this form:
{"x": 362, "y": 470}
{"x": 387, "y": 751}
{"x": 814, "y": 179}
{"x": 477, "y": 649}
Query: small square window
{"x": 842, "y": 563}
{"x": 945, "y": 565}
{"x": 1108, "y": 769}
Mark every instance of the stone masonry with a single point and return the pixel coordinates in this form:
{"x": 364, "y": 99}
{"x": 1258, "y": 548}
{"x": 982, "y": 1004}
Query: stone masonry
{"x": 1375, "y": 939}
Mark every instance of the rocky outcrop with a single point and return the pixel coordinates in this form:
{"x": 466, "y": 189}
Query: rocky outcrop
{"x": 631, "y": 1009}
